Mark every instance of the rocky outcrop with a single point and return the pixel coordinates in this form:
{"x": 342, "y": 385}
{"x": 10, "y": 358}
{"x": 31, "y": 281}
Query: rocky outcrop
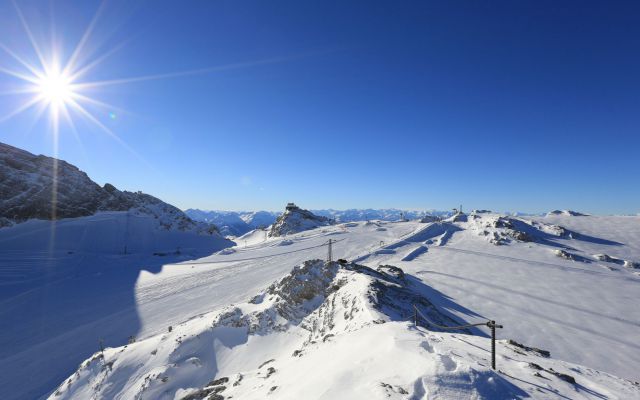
{"x": 295, "y": 220}
{"x": 40, "y": 187}
{"x": 329, "y": 298}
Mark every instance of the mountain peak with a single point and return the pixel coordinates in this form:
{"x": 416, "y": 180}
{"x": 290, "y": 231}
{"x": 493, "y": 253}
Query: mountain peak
{"x": 295, "y": 219}
{"x": 28, "y": 183}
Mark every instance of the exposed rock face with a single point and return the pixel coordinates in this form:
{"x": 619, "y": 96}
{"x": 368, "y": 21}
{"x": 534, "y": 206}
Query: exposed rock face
{"x": 27, "y": 185}
{"x": 632, "y": 264}
{"x": 330, "y": 298}
{"x": 564, "y": 254}
{"x": 429, "y": 218}
{"x": 295, "y": 220}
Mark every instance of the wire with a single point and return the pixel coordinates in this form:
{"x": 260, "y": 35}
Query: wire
{"x": 487, "y": 323}
{"x": 259, "y": 257}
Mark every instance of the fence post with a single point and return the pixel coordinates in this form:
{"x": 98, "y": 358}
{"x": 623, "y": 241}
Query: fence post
{"x": 492, "y": 324}
{"x": 493, "y": 344}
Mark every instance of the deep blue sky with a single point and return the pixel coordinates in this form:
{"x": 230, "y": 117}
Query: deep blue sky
{"x": 506, "y": 105}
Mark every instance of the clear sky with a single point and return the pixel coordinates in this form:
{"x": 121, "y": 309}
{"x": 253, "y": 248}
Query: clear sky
{"x": 504, "y": 105}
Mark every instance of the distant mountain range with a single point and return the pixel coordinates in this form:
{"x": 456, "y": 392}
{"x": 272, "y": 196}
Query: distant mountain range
{"x": 234, "y": 223}
{"x": 237, "y": 223}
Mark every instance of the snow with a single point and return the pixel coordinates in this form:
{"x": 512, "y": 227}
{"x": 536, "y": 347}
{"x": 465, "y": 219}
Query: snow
{"x": 65, "y": 285}
{"x": 583, "y": 312}
{"x": 331, "y": 332}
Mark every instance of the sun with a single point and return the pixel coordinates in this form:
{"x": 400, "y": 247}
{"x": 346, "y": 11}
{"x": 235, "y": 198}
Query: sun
{"x": 57, "y": 82}
{"x": 55, "y": 88}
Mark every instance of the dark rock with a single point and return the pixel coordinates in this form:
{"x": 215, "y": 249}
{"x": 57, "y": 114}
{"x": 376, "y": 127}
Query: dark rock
{"x": 266, "y": 362}
{"x": 567, "y": 378}
{"x": 540, "y": 352}
{"x": 218, "y": 382}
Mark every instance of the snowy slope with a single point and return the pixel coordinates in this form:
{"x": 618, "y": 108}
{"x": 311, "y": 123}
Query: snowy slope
{"x": 563, "y": 305}
{"x": 584, "y": 312}
{"x": 67, "y": 277}
{"x": 330, "y": 331}
{"x": 65, "y": 285}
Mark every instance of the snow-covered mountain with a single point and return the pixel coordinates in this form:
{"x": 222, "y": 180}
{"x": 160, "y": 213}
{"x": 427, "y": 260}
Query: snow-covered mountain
{"x": 470, "y": 267}
{"x": 228, "y": 222}
{"x": 234, "y": 223}
{"x": 295, "y": 219}
{"x": 259, "y": 219}
{"x": 230, "y": 225}
{"x": 184, "y": 313}
{"x": 569, "y": 213}
{"x": 330, "y": 330}
{"x": 68, "y": 282}
{"x": 388, "y": 214}
{"x": 27, "y": 191}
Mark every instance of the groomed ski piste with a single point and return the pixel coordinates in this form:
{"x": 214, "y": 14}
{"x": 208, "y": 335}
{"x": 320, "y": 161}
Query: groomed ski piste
{"x": 262, "y": 319}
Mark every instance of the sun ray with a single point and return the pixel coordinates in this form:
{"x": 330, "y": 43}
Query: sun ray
{"x": 32, "y": 79}
{"x": 101, "y": 104}
{"x": 70, "y": 65}
{"x": 76, "y": 136}
{"x": 16, "y": 57}
{"x": 83, "y": 70}
{"x": 56, "y": 86}
{"x": 39, "y": 112}
{"x": 20, "y": 109}
{"x": 248, "y": 64}
{"x": 78, "y": 107}
{"x": 34, "y": 44}
{"x": 24, "y": 90}
{"x": 64, "y": 110}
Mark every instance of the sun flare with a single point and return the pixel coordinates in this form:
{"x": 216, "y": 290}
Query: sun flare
{"x": 55, "y": 89}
